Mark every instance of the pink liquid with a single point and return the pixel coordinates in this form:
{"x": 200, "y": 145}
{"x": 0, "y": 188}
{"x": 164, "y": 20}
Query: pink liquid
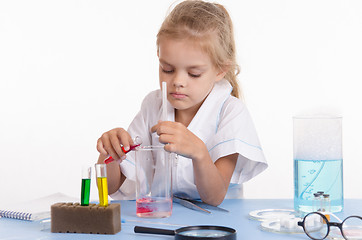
{"x": 154, "y": 207}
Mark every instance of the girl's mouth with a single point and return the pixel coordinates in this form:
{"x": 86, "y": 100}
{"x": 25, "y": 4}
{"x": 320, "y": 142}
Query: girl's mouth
{"x": 178, "y": 95}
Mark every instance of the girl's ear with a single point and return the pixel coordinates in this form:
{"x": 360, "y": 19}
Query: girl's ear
{"x": 222, "y": 72}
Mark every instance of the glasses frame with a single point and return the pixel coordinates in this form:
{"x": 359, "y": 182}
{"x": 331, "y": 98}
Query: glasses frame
{"x": 329, "y": 224}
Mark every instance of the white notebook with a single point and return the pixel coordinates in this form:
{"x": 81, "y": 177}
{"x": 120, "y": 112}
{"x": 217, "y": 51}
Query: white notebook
{"x": 36, "y": 209}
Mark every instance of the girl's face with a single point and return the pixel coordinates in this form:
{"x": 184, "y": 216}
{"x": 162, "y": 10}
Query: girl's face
{"x": 188, "y": 72}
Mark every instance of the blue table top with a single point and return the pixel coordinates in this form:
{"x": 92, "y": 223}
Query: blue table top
{"x": 237, "y": 218}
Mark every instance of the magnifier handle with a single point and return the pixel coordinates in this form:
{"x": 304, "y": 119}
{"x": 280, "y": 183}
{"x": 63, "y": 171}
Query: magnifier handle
{"x": 139, "y": 229}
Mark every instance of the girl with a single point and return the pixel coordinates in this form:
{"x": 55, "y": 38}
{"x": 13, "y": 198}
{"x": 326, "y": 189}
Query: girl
{"x": 208, "y": 126}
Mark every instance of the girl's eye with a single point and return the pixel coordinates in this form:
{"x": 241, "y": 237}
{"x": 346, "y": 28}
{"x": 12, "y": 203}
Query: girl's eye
{"x": 167, "y": 71}
{"x": 194, "y": 75}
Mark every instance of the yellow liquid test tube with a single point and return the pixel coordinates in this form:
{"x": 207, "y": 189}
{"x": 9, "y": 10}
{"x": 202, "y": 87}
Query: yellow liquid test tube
{"x": 101, "y": 174}
{"x": 102, "y": 191}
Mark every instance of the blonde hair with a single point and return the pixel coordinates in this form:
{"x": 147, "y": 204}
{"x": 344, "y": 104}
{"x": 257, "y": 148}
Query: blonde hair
{"x": 209, "y": 25}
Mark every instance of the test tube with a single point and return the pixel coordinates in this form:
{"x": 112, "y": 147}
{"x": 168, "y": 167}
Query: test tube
{"x": 86, "y": 182}
{"x": 137, "y": 142}
{"x": 101, "y": 174}
{"x": 327, "y": 205}
{"x": 317, "y": 202}
{"x": 321, "y": 206}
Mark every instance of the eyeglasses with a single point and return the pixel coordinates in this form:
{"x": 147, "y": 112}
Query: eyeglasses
{"x": 317, "y": 226}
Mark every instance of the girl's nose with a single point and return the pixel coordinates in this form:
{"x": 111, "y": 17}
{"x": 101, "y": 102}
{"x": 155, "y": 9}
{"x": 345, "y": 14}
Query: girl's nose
{"x": 179, "y": 81}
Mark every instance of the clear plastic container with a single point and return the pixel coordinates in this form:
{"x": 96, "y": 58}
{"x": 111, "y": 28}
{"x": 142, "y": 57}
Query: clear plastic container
{"x": 153, "y": 182}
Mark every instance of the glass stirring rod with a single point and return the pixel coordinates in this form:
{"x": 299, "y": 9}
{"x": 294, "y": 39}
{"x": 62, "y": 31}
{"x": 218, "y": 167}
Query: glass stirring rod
{"x": 137, "y": 141}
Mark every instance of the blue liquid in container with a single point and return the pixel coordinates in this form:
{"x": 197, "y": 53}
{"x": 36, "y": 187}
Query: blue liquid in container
{"x": 311, "y": 176}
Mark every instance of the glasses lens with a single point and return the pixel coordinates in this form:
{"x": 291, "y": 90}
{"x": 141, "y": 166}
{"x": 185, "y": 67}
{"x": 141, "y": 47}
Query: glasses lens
{"x": 315, "y": 226}
{"x": 352, "y": 228}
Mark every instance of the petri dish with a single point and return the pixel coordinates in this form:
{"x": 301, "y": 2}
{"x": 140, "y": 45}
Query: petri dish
{"x": 269, "y": 214}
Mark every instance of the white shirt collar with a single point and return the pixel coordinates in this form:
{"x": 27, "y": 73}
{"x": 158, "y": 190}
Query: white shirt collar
{"x": 207, "y": 117}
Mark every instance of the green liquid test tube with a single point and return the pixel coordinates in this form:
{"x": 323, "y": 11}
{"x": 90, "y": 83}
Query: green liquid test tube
{"x": 86, "y": 182}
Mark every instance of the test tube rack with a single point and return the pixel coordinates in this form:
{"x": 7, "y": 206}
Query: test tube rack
{"x": 93, "y": 219}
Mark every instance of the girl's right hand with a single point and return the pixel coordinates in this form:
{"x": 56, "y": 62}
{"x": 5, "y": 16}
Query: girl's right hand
{"x": 109, "y": 144}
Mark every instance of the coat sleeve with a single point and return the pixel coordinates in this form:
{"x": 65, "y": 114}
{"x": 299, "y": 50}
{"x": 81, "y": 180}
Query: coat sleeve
{"x": 236, "y": 134}
{"x": 140, "y": 126}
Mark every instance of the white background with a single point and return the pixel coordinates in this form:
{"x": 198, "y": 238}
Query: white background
{"x": 73, "y": 69}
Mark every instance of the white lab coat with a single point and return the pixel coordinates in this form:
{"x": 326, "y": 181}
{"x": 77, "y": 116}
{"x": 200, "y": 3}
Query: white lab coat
{"x": 223, "y": 123}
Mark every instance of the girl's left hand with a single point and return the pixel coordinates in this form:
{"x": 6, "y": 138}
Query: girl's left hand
{"x": 179, "y": 139}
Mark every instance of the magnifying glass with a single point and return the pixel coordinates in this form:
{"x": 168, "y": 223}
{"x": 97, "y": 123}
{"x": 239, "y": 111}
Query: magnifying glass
{"x": 193, "y": 232}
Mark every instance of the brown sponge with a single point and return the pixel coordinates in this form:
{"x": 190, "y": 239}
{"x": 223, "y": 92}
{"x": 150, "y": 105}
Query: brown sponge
{"x": 74, "y": 218}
